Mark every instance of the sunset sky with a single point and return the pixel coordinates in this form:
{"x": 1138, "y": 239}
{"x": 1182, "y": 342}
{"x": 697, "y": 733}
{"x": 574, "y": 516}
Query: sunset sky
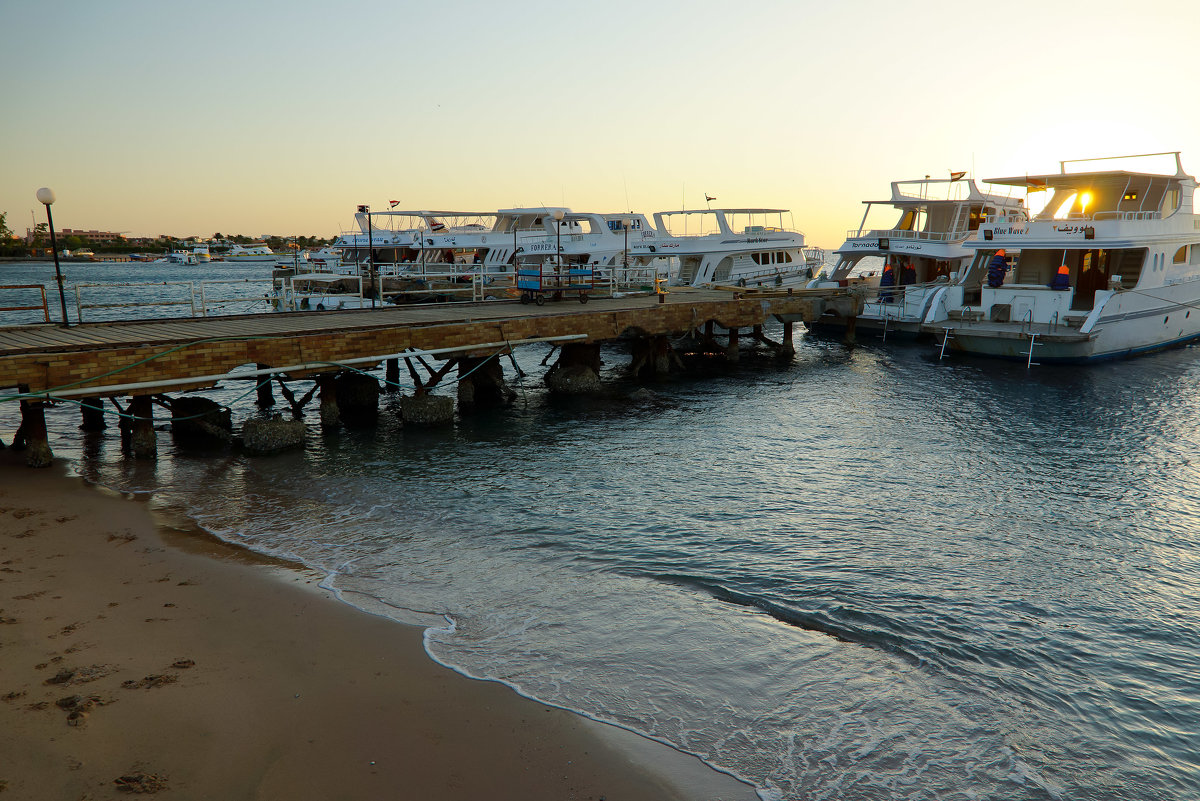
{"x": 260, "y": 117}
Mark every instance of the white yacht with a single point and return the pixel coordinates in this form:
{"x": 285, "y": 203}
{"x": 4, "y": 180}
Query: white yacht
{"x": 184, "y": 257}
{"x": 327, "y": 259}
{"x": 258, "y": 252}
{"x": 736, "y": 247}
{"x": 418, "y": 243}
{"x": 925, "y": 250}
{"x": 1109, "y": 268}
{"x": 407, "y": 242}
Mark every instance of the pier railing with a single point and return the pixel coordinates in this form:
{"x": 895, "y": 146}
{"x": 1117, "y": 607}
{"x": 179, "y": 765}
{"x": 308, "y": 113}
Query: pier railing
{"x": 42, "y": 305}
{"x": 197, "y": 296}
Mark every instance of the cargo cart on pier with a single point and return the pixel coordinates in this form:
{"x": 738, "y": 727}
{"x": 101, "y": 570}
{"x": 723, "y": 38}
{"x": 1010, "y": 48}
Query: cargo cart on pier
{"x": 535, "y": 283}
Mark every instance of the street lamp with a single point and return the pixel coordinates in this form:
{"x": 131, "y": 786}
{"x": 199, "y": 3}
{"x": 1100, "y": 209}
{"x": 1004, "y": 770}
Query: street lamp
{"x": 45, "y": 196}
{"x": 370, "y": 253}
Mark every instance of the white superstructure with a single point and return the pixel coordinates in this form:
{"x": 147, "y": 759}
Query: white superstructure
{"x": 922, "y": 246}
{"x": 1128, "y": 245}
{"x": 420, "y": 243}
{"x": 258, "y": 252}
{"x": 736, "y": 247}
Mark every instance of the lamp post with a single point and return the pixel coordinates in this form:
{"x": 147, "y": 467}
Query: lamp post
{"x": 45, "y": 196}
{"x": 370, "y": 253}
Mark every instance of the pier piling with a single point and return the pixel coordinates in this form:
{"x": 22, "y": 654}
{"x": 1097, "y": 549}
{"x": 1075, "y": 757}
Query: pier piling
{"x": 266, "y": 398}
{"x": 200, "y": 423}
{"x": 392, "y": 375}
{"x": 577, "y": 371}
{"x": 653, "y": 358}
{"x": 92, "y": 410}
{"x": 357, "y": 399}
{"x": 787, "y": 345}
{"x": 481, "y": 384}
{"x": 327, "y": 392}
{"x": 143, "y": 437}
{"x": 732, "y": 350}
{"x": 33, "y": 432}
{"x": 851, "y": 326}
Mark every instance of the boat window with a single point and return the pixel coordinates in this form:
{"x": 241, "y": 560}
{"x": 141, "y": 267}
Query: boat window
{"x": 1195, "y": 253}
{"x": 1180, "y": 256}
{"x": 906, "y": 222}
{"x": 977, "y": 216}
{"x": 1170, "y": 202}
{"x": 1131, "y": 195}
{"x": 787, "y": 257}
{"x": 757, "y": 257}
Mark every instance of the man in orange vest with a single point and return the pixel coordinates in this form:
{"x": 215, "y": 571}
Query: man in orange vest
{"x": 997, "y": 269}
{"x": 888, "y": 279}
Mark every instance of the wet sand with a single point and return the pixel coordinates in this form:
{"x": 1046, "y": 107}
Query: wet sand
{"x": 143, "y": 656}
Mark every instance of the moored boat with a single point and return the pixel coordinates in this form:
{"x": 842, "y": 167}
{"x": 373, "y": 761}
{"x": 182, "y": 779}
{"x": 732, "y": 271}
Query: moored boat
{"x": 912, "y": 268}
{"x": 258, "y": 252}
{"x": 734, "y": 247}
{"x": 1109, "y": 268}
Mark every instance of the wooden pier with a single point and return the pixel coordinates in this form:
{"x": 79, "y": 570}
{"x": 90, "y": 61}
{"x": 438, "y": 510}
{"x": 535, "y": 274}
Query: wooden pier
{"x": 145, "y": 358}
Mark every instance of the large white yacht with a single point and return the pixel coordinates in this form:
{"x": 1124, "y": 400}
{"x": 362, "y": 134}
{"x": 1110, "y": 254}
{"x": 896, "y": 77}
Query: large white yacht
{"x": 1110, "y": 267}
{"x": 424, "y": 242}
{"x": 735, "y": 247}
{"x": 421, "y": 242}
{"x": 925, "y": 249}
{"x": 258, "y": 252}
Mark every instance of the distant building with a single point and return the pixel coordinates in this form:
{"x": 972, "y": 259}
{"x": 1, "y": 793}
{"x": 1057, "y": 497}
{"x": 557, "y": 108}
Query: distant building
{"x": 91, "y": 237}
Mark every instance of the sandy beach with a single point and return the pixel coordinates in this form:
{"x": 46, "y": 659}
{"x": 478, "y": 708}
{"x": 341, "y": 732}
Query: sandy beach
{"x": 140, "y": 655}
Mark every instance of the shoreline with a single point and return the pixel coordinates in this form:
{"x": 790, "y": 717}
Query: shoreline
{"x": 137, "y": 648}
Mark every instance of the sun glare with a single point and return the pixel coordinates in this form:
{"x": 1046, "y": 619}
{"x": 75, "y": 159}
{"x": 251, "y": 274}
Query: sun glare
{"x": 1063, "y": 210}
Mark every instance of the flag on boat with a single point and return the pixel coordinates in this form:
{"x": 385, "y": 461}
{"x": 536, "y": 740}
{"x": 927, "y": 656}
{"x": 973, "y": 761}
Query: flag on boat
{"x": 435, "y": 225}
{"x": 393, "y": 203}
{"x": 957, "y": 176}
{"x": 708, "y": 199}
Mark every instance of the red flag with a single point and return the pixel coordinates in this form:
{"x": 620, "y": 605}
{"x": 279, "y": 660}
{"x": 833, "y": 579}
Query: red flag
{"x": 709, "y": 199}
{"x": 957, "y": 176}
{"x": 393, "y": 203}
{"x": 435, "y": 225}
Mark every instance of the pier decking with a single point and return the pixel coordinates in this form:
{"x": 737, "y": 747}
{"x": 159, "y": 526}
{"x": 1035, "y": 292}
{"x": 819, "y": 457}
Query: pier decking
{"x": 100, "y": 356}
{"x": 145, "y": 359}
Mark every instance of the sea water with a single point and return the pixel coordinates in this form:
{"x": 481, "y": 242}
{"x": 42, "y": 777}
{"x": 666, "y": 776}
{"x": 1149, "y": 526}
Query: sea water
{"x": 863, "y": 573}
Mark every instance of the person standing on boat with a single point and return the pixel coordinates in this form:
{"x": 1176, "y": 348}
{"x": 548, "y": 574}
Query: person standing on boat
{"x": 908, "y": 274}
{"x": 1061, "y": 279}
{"x": 997, "y": 269}
{"x": 888, "y": 279}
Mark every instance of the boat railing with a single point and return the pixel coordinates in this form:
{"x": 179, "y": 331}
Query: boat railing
{"x": 1127, "y": 215}
{"x": 900, "y": 233}
{"x": 1027, "y": 320}
{"x": 42, "y": 305}
{"x": 1006, "y": 217}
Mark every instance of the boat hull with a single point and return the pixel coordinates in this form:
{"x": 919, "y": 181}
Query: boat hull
{"x": 1131, "y": 324}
